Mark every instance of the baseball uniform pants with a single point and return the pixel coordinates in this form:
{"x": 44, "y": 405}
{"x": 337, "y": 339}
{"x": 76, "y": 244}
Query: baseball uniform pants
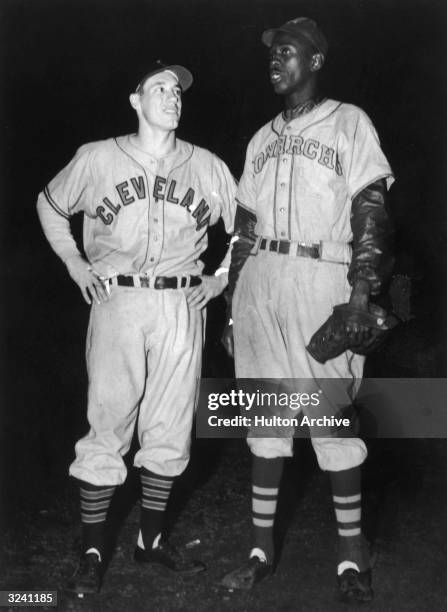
{"x": 144, "y": 353}
{"x": 279, "y": 302}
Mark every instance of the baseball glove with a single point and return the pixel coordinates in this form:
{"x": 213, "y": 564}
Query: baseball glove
{"x": 332, "y": 338}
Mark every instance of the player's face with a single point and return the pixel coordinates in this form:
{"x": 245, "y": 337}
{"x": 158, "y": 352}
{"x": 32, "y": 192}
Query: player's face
{"x": 291, "y": 65}
{"x": 160, "y": 101}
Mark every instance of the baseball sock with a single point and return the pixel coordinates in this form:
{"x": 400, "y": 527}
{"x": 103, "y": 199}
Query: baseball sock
{"x": 95, "y": 502}
{"x": 266, "y": 476}
{"x": 155, "y": 495}
{"x": 347, "y": 498}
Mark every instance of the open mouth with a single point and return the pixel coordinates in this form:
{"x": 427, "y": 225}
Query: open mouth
{"x": 275, "y": 76}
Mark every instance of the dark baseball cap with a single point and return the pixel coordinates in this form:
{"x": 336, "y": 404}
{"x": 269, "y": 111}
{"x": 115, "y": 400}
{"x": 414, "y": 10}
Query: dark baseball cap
{"x": 302, "y": 28}
{"x": 183, "y": 75}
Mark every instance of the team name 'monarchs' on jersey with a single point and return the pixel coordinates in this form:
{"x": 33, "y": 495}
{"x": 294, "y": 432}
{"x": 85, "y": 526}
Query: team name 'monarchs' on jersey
{"x": 297, "y": 145}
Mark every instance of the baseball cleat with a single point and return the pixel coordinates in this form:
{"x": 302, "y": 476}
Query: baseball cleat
{"x": 354, "y": 586}
{"x": 87, "y": 577}
{"x": 245, "y": 577}
{"x": 167, "y": 555}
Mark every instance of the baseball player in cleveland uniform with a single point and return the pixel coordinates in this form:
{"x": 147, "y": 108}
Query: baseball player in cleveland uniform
{"x": 147, "y": 200}
{"x": 311, "y": 232}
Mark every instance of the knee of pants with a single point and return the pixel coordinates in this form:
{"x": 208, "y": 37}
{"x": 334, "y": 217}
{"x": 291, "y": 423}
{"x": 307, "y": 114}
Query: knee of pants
{"x": 270, "y": 448}
{"x": 336, "y": 454}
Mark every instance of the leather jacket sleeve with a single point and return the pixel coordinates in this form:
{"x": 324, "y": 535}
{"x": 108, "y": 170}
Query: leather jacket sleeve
{"x": 242, "y": 243}
{"x": 372, "y": 259}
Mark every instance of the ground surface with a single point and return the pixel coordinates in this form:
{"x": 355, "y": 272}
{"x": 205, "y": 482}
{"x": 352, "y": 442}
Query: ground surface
{"x": 405, "y": 501}
{"x": 405, "y": 497}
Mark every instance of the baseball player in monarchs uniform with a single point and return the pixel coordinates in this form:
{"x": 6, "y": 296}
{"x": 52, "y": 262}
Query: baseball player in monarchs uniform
{"x": 311, "y": 232}
{"x": 147, "y": 200}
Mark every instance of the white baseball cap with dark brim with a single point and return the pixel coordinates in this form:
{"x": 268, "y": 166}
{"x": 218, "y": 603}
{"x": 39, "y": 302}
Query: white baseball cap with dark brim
{"x": 183, "y": 75}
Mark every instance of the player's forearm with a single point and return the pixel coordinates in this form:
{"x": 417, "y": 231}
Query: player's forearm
{"x": 372, "y": 260}
{"x": 242, "y": 244}
{"x": 57, "y": 231}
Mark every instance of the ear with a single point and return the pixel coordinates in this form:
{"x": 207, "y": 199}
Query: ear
{"x": 317, "y": 61}
{"x": 134, "y": 100}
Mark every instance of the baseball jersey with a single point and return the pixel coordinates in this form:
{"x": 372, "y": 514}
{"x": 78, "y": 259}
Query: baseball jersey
{"x": 300, "y": 176}
{"x": 141, "y": 215}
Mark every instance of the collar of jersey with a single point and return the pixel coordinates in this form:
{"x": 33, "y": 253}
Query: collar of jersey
{"x": 181, "y": 154}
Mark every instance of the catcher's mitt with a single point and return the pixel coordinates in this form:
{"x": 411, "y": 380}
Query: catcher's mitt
{"x": 332, "y": 339}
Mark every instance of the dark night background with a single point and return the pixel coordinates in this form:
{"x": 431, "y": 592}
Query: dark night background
{"x": 67, "y": 68}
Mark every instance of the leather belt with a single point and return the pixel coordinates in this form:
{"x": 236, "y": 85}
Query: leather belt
{"x": 159, "y": 282}
{"x": 286, "y": 247}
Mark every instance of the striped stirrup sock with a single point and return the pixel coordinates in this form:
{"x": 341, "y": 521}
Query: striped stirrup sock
{"x": 155, "y": 496}
{"x": 95, "y": 502}
{"x": 266, "y": 476}
{"x": 347, "y": 498}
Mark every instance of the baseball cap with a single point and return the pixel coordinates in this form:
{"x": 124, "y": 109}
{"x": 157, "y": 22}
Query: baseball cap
{"x": 183, "y": 75}
{"x": 301, "y": 28}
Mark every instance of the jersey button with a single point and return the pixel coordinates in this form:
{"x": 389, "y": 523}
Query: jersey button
{"x": 282, "y": 209}
{"x": 155, "y": 220}
{"x": 283, "y": 233}
{"x": 284, "y": 161}
{"x": 283, "y": 185}
{"x": 152, "y": 259}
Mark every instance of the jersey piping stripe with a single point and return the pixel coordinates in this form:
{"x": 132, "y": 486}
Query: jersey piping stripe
{"x": 53, "y": 204}
{"x": 317, "y": 120}
{"x": 148, "y": 197}
{"x": 131, "y": 157}
{"x": 274, "y": 130}
{"x": 189, "y": 154}
{"x": 275, "y": 195}
{"x": 289, "y": 212}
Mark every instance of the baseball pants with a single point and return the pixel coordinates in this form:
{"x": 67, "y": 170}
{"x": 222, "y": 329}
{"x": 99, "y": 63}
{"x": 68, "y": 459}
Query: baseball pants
{"x": 144, "y": 353}
{"x": 279, "y": 302}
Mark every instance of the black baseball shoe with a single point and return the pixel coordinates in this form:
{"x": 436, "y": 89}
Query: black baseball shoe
{"x": 247, "y": 575}
{"x": 354, "y": 586}
{"x": 171, "y": 557}
{"x": 87, "y": 578}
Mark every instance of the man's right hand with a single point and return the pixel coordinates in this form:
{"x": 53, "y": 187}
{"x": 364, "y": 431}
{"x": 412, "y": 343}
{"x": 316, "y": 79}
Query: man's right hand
{"x": 88, "y": 281}
{"x": 227, "y": 338}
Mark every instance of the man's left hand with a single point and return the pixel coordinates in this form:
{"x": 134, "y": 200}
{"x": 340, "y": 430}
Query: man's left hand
{"x": 210, "y": 287}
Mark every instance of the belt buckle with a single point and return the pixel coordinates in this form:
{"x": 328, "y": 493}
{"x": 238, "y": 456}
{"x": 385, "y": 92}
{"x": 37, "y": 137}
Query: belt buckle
{"x": 273, "y": 246}
{"x": 144, "y": 282}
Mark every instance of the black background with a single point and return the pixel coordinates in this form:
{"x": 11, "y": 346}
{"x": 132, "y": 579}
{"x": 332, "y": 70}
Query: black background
{"x": 67, "y": 68}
